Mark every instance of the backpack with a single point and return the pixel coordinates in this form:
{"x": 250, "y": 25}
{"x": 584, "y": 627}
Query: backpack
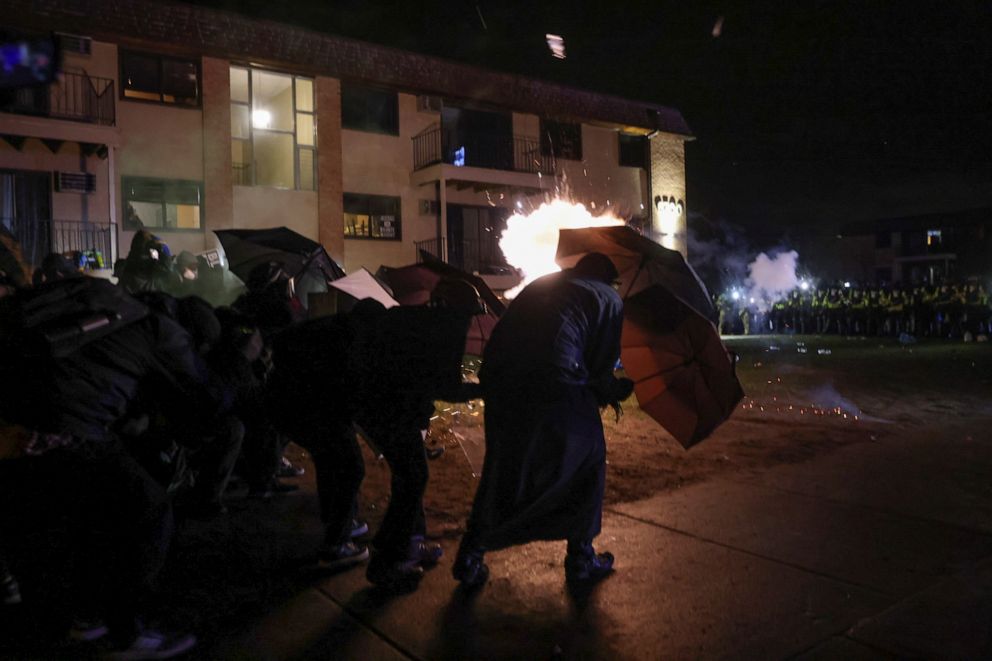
{"x": 59, "y": 317}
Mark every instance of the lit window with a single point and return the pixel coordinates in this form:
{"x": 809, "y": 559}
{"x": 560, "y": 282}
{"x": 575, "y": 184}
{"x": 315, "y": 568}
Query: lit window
{"x": 273, "y": 130}
{"x": 173, "y": 204}
{"x": 371, "y": 217}
{"x": 933, "y": 237}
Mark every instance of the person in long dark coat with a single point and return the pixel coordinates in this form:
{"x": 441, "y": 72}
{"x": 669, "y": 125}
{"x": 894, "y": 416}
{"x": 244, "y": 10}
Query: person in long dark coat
{"x": 547, "y": 369}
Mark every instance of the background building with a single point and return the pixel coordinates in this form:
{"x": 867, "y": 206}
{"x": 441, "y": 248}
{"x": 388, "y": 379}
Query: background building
{"x": 185, "y": 120}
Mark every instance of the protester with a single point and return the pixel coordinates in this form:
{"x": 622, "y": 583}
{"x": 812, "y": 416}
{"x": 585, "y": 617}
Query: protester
{"x": 404, "y": 359}
{"x": 64, "y": 386}
{"x": 547, "y": 369}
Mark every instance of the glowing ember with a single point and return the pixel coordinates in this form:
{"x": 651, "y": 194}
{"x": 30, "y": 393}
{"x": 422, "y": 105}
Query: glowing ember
{"x": 530, "y": 242}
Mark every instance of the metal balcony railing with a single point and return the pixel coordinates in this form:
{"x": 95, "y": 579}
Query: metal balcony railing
{"x": 469, "y": 255}
{"x": 74, "y": 96}
{"x": 41, "y": 236}
{"x": 497, "y": 152}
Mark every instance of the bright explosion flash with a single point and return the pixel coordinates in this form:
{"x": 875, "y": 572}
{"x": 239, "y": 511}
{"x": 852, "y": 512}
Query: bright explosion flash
{"x": 530, "y": 242}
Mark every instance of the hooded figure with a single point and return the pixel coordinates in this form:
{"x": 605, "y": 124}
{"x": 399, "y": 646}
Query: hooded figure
{"x": 547, "y": 369}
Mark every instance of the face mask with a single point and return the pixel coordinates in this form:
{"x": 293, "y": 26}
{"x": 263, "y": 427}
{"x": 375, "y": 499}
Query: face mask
{"x": 189, "y": 275}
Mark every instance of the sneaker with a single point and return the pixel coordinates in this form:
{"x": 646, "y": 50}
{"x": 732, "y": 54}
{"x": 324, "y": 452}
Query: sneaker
{"x": 358, "y": 528}
{"x": 342, "y": 556}
{"x": 85, "y": 630}
{"x": 10, "y": 591}
{"x": 152, "y": 644}
{"x": 287, "y": 469}
{"x": 470, "y": 570}
{"x": 400, "y": 577}
{"x": 581, "y": 568}
{"x": 424, "y": 553}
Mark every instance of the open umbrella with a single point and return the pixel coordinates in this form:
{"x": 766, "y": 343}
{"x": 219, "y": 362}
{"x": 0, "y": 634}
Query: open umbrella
{"x": 413, "y": 285}
{"x": 683, "y": 376}
{"x": 246, "y": 249}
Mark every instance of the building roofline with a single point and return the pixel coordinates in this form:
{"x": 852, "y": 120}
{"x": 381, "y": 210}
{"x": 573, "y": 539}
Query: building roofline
{"x": 936, "y": 220}
{"x": 183, "y": 27}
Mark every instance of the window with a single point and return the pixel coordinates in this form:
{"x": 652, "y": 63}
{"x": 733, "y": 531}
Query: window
{"x": 369, "y": 109}
{"x": 273, "y": 129}
{"x": 371, "y": 217}
{"x": 933, "y": 238}
{"x": 633, "y": 150}
{"x": 561, "y": 140}
{"x": 162, "y": 203}
{"x": 160, "y": 79}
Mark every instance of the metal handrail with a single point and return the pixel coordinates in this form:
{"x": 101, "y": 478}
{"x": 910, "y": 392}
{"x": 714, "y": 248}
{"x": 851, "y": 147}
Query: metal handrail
{"x": 73, "y": 96}
{"x": 498, "y": 152}
{"x": 41, "y": 236}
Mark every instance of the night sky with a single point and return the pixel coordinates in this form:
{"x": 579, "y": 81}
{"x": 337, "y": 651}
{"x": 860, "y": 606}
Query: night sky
{"x": 807, "y": 114}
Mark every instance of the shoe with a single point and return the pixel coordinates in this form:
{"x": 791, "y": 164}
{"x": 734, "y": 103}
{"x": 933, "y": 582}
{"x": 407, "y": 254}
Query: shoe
{"x": 583, "y": 567}
{"x": 424, "y": 553}
{"x": 152, "y": 644}
{"x": 342, "y": 556}
{"x": 10, "y": 591}
{"x": 287, "y": 469}
{"x": 85, "y": 630}
{"x": 358, "y": 528}
{"x": 470, "y": 570}
{"x": 403, "y": 576}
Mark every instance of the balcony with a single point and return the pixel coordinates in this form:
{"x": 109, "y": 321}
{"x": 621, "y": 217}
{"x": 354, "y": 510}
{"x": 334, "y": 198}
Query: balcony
{"x": 38, "y": 237}
{"x": 471, "y": 255}
{"x": 497, "y": 152}
{"x": 75, "y": 97}
{"x": 480, "y": 160}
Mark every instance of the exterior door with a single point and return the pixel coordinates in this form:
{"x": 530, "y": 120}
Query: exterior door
{"x": 473, "y": 237}
{"x": 26, "y": 211}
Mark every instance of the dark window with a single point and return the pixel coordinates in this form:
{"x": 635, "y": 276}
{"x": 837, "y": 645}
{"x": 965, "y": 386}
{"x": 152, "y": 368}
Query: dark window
{"x": 161, "y": 79}
{"x": 372, "y": 217}
{"x": 163, "y": 203}
{"x": 368, "y": 109}
{"x": 561, "y": 140}
{"x": 633, "y": 150}
{"x": 883, "y": 239}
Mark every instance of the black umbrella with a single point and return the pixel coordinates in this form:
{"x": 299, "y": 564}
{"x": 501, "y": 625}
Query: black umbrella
{"x": 246, "y": 249}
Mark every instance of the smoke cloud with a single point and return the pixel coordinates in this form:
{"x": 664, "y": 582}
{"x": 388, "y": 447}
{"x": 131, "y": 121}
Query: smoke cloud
{"x": 771, "y": 278}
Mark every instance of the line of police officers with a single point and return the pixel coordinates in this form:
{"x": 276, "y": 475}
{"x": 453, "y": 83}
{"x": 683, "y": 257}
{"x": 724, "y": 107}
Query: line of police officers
{"x": 947, "y": 311}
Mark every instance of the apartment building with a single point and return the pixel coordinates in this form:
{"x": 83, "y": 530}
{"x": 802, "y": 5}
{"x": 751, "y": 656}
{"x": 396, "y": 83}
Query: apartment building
{"x": 186, "y": 120}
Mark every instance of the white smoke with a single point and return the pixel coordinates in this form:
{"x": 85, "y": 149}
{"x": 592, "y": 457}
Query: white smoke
{"x": 530, "y": 242}
{"x": 771, "y": 278}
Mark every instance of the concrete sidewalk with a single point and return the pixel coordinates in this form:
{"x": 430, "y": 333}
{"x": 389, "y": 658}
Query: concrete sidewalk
{"x": 877, "y": 550}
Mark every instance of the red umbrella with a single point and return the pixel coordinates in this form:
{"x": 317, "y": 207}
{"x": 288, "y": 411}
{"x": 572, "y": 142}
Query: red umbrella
{"x": 683, "y": 376}
{"x": 414, "y": 284}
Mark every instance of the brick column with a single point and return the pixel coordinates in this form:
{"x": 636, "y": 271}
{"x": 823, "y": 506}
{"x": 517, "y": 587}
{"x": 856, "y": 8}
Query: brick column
{"x": 218, "y": 186}
{"x": 330, "y": 192}
{"x": 668, "y": 187}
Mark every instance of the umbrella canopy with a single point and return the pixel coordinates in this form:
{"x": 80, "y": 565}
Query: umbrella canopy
{"x": 641, "y": 262}
{"x": 683, "y": 375}
{"x": 413, "y": 285}
{"x": 362, "y": 284}
{"x": 246, "y": 249}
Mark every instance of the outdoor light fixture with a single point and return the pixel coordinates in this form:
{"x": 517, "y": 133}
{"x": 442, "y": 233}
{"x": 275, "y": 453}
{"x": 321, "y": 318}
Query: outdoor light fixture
{"x": 735, "y": 295}
{"x": 847, "y": 285}
{"x": 804, "y": 285}
{"x": 261, "y": 119}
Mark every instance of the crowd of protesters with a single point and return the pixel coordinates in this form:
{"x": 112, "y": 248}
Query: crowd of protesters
{"x": 126, "y": 407}
{"x": 949, "y": 311}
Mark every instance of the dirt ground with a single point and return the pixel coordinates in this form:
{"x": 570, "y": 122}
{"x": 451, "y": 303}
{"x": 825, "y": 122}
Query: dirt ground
{"x": 804, "y": 396}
